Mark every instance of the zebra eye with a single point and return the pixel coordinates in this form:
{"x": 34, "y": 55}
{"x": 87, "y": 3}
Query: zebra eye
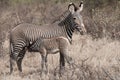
{"x": 74, "y": 18}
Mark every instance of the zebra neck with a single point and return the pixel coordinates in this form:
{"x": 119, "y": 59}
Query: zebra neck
{"x": 70, "y": 32}
{"x": 70, "y": 26}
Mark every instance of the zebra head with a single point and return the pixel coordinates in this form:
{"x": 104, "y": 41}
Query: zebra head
{"x": 77, "y": 16}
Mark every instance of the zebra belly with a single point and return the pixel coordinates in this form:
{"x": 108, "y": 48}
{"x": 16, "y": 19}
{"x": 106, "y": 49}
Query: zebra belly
{"x": 50, "y": 45}
{"x": 52, "y": 51}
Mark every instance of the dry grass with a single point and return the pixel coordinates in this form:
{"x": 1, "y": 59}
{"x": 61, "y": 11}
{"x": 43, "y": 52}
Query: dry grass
{"x": 95, "y": 59}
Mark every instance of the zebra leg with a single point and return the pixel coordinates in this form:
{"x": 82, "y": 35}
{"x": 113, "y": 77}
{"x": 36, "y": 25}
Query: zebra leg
{"x": 46, "y": 65}
{"x": 20, "y": 58}
{"x": 43, "y": 63}
{"x": 64, "y": 52}
{"x": 12, "y": 62}
{"x": 11, "y": 66}
{"x": 13, "y": 57}
{"x": 62, "y": 63}
{"x": 44, "y": 60}
{"x": 63, "y": 48}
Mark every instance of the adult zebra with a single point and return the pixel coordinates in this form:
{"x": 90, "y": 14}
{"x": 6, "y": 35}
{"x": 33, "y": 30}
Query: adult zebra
{"x": 27, "y": 35}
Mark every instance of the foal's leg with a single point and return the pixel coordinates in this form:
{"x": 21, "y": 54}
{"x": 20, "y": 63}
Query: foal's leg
{"x": 44, "y": 60}
{"x": 62, "y": 63}
{"x": 46, "y": 65}
{"x": 64, "y": 53}
{"x": 63, "y": 48}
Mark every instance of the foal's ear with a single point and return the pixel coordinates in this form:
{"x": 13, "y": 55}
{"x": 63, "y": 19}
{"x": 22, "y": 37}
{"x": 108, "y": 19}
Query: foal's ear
{"x": 71, "y": 7}
{"x": 80, "y": 6}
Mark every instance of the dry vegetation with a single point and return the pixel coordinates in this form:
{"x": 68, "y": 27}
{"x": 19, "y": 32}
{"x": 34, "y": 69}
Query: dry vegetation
{"x": 96, "y": 54}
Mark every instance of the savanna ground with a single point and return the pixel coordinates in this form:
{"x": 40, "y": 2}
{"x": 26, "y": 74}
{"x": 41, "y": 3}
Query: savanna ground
{"x": 96, "y": 54}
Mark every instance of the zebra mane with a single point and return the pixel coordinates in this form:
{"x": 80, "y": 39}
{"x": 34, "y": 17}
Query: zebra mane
{"x": 68, "y": 22}
{"x": 65, "y": 19}
{"x": 62, "y": 17}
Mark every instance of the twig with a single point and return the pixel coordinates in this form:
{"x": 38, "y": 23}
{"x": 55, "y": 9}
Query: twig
{"x": 107, "y": 74}
{"x": 18, "y": 18}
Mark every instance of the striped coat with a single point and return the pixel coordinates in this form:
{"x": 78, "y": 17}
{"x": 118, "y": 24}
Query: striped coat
{"x": 27, "y": 35}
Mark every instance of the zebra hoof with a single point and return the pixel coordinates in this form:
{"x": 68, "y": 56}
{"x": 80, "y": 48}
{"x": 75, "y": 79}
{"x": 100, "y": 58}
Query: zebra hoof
{"x": 21, "y": 74}
{"x": 61, "y": 71}
{"x": 44, "y": 73}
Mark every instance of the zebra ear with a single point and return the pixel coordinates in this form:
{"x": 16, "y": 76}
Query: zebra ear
{"x": 80, "y": 6}
{"x": 71, "y": 7}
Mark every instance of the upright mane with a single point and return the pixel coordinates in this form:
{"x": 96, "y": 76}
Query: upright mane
{"x": 61, "y": 17}
{"x": 67, "y": 21}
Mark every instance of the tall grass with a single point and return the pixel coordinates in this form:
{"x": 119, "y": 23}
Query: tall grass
{"x": 96, "y": 54}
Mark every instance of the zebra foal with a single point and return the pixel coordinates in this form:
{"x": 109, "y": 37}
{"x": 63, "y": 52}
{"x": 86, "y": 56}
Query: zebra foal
{"x": 51, "y": 46}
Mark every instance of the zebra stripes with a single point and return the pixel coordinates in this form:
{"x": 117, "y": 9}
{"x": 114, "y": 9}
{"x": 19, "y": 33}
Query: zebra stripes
{"x": 35, "y": 38}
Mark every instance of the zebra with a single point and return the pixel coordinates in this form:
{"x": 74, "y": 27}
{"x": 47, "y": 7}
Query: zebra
{"x": 51, "y": 46}
{"x": 24, "y": 36}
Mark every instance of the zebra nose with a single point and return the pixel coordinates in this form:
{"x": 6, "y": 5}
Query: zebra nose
{"x": 80, "y": 29}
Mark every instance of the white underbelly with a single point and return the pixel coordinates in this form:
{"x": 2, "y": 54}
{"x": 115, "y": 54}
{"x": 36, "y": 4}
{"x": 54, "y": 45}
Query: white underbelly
{"x": 52, "y": 51}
